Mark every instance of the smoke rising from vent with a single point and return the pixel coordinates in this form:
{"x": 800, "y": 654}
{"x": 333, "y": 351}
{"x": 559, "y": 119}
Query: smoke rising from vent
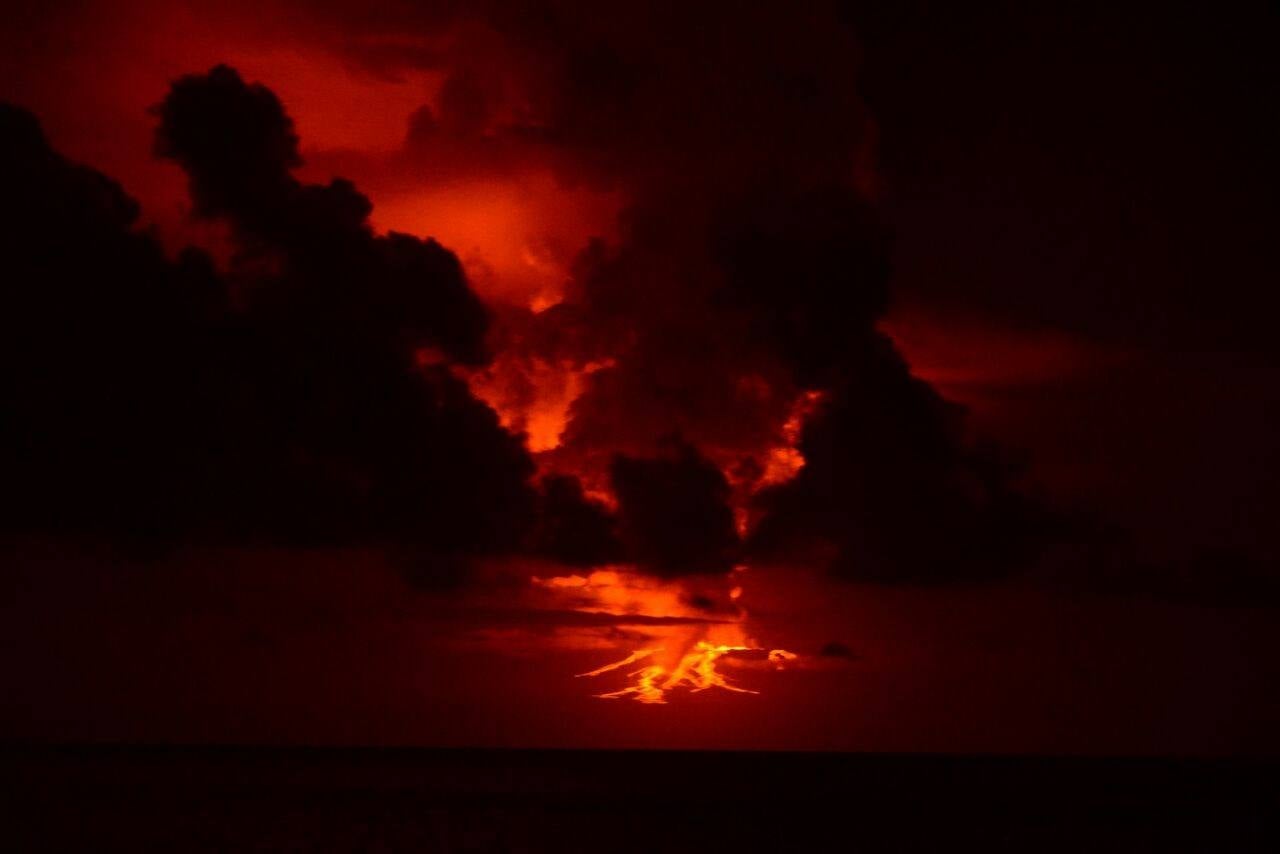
{"x": 340, "y": 368}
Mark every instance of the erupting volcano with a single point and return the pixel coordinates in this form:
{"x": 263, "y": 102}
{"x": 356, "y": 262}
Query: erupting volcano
{"x": 549, "y": 373}
{"x": 695, "y": 670}
{"x": 644, "y": 352}
{"x": 678, "y": 657}
{"x": 683, "y": 655}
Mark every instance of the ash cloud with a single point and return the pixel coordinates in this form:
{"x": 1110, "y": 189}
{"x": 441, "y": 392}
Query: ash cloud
{"x": 573, "y": 528}
{"x": 106, "y": 351}
{"x": 334, "y": 277}
{"x": 673, "y": 511}
{"x": 157, "y": 402}
{"x": 753, "y": 265}
{"x": 893, "y": 490}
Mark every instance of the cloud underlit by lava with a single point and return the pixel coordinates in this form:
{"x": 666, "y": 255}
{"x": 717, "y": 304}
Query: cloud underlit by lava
{"x": 750, "y": 268}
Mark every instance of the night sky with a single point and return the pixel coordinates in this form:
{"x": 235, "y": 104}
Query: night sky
{"x": 863, "y": 376}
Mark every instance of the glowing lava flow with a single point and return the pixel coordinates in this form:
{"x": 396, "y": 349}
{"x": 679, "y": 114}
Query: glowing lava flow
{"x": 696, "y": 670}
{"x": 689, "y": 654}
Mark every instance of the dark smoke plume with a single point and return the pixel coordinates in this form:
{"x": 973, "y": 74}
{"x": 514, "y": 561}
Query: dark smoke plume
{"x": 674, "y": 512}
{"x": 157, "y": 402}
{"x": 752, "y": 266}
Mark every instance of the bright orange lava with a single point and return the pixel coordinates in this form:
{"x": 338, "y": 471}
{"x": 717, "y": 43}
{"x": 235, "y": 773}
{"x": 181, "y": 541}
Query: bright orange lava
{"x": 532, "y": 396}
{"x": 696, "y": 670}
{"x": 686, "y": 654}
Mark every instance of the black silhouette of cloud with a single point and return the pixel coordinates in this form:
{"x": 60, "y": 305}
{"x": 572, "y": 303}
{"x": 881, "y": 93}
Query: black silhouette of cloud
{"x": 673, "y": 512}
{"x": 144, "y": 400}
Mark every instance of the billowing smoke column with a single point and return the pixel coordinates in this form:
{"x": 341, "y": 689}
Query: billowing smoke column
{"x": 724, "y": 394}
{"x": 735, "y": 318}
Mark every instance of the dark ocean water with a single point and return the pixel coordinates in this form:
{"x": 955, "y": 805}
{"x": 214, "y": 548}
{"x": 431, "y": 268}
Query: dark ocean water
{"x": 257, "y": 799}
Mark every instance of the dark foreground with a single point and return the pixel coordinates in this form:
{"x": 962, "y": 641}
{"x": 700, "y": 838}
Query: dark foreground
{"x": 219, "y": 799}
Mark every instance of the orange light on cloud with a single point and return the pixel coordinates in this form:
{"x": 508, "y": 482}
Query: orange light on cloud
{"x": 516, "y": 236}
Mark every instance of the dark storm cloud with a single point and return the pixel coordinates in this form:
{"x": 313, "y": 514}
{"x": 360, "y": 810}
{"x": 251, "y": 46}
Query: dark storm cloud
{"x": 158, "y": 402}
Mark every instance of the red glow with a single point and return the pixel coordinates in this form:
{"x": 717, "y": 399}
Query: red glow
{"x": 532, "y": 396}
{"x": 517, "y": 235}
{"x": 964, "y": 355}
